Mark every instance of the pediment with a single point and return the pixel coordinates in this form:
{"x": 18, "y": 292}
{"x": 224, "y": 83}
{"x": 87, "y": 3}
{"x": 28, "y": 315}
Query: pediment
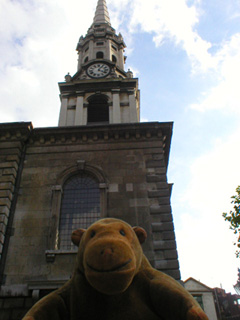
{"x": 192, "y": 284}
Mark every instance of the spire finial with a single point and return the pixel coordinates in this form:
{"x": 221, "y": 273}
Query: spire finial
{"x": 101, "y": 14}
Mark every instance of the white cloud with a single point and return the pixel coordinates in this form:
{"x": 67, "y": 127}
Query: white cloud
{"x": 214, "y": 174}
{"x": 177, "y": 21}
{"x": 225, "y": 94}
{"x": 173, "y": 20}
{"x": 206, "y": 252}
{"x": 205, "y": 242}
{"x": 37, "y": 43}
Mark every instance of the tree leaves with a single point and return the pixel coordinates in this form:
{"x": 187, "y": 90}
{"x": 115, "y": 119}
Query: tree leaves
{"x": 233, "y": 217}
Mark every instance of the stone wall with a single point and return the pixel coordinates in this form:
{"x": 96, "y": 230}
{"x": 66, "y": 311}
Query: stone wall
{"x": 12, "y": 141}
{"x": 130, "y": 162}
{"x": 14, "y": 308}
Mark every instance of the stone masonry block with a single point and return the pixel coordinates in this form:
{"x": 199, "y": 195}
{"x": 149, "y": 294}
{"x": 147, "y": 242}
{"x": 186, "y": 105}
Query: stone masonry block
{"x": 6, "y": 194}
{"x": 10, "y": 145}
{"x": 160, "y": 171}
{"x": 168, "y": 235}
{"x": 7, "y": 179}
{"x": 129, "y": 187}
{"x": 3, "y": 219}
{"x": 158, "y": 156}
{"x": 138, "y": 202}
{"x": 157, "y": 236}
{"x": 153, "y": 178}
{"x": 166, "y": 264}
{"x": 161, "y": 218}
{"x": 154, "y": 150}
{"x": 159, "y": 255}
{"x": 6, "y": 186}
{"x": 2, "y": 228}
{"x": 14, "y": 290}
{"x": 165, "y": 217}
{"x": 5, "y": 202}
{"x": 170, "y": 254}
{"x": 164, "y": 245}
{"x": 5, "y": 150}
{"x": 13, "y": 157}
{"x": 143, "y": 211}
{"x": 158, "y": 193}
{"x": 113, "y": 187}
{"x": 164, "y": 200}
{"x": 159, "y": 227}
{"x": 2, "y": 238}
{"x": 9, "y": 164}
{"x": 155, "y": 163}
{"x": 10, "y": 171}
{"x": 4, "y": 210}
{"x": 155, "y": 209}
{"x": 162, "y": 185}
{"x": 174, "y": 273}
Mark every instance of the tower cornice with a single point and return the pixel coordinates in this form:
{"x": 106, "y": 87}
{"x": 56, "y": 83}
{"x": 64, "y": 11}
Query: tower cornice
{"x": 93, "y": 85}
{"x": 95, "y": 35}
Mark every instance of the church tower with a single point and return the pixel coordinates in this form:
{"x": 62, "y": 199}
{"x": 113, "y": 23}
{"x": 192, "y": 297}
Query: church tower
{"x": 101, "y": 91}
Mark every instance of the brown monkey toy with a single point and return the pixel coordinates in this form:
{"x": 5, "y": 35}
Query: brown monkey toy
{"x": 113, "y": 280}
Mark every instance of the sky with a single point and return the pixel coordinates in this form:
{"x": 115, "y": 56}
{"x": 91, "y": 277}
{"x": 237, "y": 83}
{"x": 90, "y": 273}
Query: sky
{"x": 186, "y": 55}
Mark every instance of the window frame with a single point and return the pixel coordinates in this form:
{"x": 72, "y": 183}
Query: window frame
{"x": 100, "y": 55}
{"x": 114, "y": 58}
{"x": 199, "y": 299}
{"x": 80, "y": 206}
{"x": 57, "y": 191}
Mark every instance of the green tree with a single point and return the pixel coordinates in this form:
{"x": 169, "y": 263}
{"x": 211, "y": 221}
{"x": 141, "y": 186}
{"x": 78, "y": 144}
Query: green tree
{"x": 233, "y": 217}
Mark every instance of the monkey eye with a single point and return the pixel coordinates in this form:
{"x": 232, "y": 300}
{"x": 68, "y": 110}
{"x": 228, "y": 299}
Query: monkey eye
{"x": 92, "y": 233}
{"x": 122, "y": 232}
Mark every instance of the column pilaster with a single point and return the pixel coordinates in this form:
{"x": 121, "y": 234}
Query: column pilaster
{"x": 132, "y": 105}
{"x": 79, "y": 109}
{"x": 63, "y": 111}
{"x": 116, "y": 106}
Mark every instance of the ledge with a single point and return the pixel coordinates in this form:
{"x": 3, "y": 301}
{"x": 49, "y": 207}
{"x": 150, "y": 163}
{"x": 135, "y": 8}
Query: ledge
{"x": 51, "y": 254}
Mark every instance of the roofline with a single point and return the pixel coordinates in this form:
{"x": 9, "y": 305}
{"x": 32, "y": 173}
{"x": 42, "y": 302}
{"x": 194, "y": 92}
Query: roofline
{"x": 202, "y": 284}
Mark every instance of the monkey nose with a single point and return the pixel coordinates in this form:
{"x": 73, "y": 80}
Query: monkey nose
{"x": 107, "y": 252}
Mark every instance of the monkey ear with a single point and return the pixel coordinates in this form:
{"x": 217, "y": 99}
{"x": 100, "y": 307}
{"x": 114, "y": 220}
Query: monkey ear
{"x": 77, "y": 236}
{"x": 141, "y": 234}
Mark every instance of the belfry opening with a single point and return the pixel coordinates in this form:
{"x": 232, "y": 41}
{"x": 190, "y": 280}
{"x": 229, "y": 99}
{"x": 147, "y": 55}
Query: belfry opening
{"x": 98, "y": 109}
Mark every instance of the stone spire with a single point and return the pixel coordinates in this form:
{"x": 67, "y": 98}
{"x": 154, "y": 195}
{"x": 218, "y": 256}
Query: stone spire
{"x": 101, "y": 14}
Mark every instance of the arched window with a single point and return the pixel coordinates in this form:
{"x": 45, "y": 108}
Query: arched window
{"x": 114, "y": 59}
{"x": 99, "y": 55}
{"x": 98, "y": 109}
{"x": 80, "y": 206}
{"x": 86, "y": 60}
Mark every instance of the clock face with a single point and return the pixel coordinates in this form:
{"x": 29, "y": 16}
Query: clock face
{"x": 98, "y": 70}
